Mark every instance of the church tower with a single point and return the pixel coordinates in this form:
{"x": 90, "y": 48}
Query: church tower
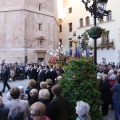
{"x": 28, "y": 27}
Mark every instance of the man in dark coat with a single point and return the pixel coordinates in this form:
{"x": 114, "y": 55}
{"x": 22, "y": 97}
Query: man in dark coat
{"x": 47, "y": 73}
{"x": 41, "y": 76}
{"x": 5, "y": 77}
{"x": 53, "y": 74}
{"x": 33, "y": 72}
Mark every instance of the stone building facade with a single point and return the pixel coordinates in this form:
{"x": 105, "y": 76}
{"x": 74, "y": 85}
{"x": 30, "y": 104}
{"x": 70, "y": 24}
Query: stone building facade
{"x": 28, "y": 27}
{"x": 73, "y": 18}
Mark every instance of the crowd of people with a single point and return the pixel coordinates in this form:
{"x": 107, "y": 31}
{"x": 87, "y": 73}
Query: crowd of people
{"x": 109, "y": 78}
{"x": 41, "y": 100}
{"x": 34, "y": 71}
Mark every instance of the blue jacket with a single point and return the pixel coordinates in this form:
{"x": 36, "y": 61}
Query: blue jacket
{"x": 116, "y": 90}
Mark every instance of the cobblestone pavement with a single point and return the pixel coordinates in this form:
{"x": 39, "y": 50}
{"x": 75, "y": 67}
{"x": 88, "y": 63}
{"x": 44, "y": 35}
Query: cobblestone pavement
{"x": 24, "y": 83}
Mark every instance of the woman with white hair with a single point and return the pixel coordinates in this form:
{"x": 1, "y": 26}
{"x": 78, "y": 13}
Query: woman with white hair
{"x": 44, "y": 97}
{"x": 82, "y": 110}
{"x": 34, "y": 96}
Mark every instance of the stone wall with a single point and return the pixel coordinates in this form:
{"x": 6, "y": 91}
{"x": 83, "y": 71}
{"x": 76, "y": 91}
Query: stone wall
{"x": 12, "y": 32}
{"x": 20, "y": 35}
{"x": 40, "y": 39}
{"x": 8, "y": 5}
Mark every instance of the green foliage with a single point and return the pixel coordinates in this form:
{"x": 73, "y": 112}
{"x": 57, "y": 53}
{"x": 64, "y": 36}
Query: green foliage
{"x": 85, "y": 36}
{"x": 79, "y": 83}
{"x": 104, "y": 31}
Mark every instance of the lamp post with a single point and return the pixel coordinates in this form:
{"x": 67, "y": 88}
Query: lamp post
{"x": 98, "y": 10}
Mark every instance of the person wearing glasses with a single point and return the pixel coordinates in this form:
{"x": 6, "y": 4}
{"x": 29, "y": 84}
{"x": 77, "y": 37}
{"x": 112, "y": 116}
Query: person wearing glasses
{"x": 37, "y": 111}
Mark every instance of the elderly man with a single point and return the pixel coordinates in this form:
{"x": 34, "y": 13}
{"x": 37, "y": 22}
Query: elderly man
{"x": 17, "y": 102}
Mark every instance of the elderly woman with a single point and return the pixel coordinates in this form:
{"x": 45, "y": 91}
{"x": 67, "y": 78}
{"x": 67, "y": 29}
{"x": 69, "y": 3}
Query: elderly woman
{"x": 59, "y": 104}
{"x": 43, "y": 85}
{"x": 82, "y": 110}
{"x": 44, "y": 97}
{"x": 37, "y": 111}
{"x": 34, "y": 96}
{"x": 116, "y": 98}
{"x": 32, "y": 84}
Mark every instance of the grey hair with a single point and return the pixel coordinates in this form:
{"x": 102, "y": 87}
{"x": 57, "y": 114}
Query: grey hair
{"x": 105, "y": 77}
{"x": 110, "y": 72}
{"x": 34, "y": 93}
{"x": 16, "y": 113}
{"x": 44, "y": 94}
{"x": 82, "y": 108}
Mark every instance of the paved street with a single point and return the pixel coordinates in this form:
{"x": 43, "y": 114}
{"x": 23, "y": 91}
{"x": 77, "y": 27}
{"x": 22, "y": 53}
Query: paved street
{"x": 24, "y": 83}
{"x": 13, "y": 84}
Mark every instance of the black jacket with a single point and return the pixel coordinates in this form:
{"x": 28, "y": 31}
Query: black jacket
{"x": 59, "y": 108}
{"x": 47, "y": 75}
{"x": 5, "y": 75}
{"x": 106, "y": 92}
{"x": 33, "y": 73}
{"x": 41, "y": 76}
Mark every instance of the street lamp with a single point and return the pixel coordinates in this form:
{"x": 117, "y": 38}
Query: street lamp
{"x": 98, "y": 10}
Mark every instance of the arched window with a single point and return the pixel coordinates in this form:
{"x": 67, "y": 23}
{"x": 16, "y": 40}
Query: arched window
{"x": 109, "y": 16}
{"x": 87, "y": 21}
{"x": 81, "y": 22}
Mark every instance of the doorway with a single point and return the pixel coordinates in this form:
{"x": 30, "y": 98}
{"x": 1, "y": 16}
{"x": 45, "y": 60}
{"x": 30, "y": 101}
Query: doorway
{"x": 40, "y": 60}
